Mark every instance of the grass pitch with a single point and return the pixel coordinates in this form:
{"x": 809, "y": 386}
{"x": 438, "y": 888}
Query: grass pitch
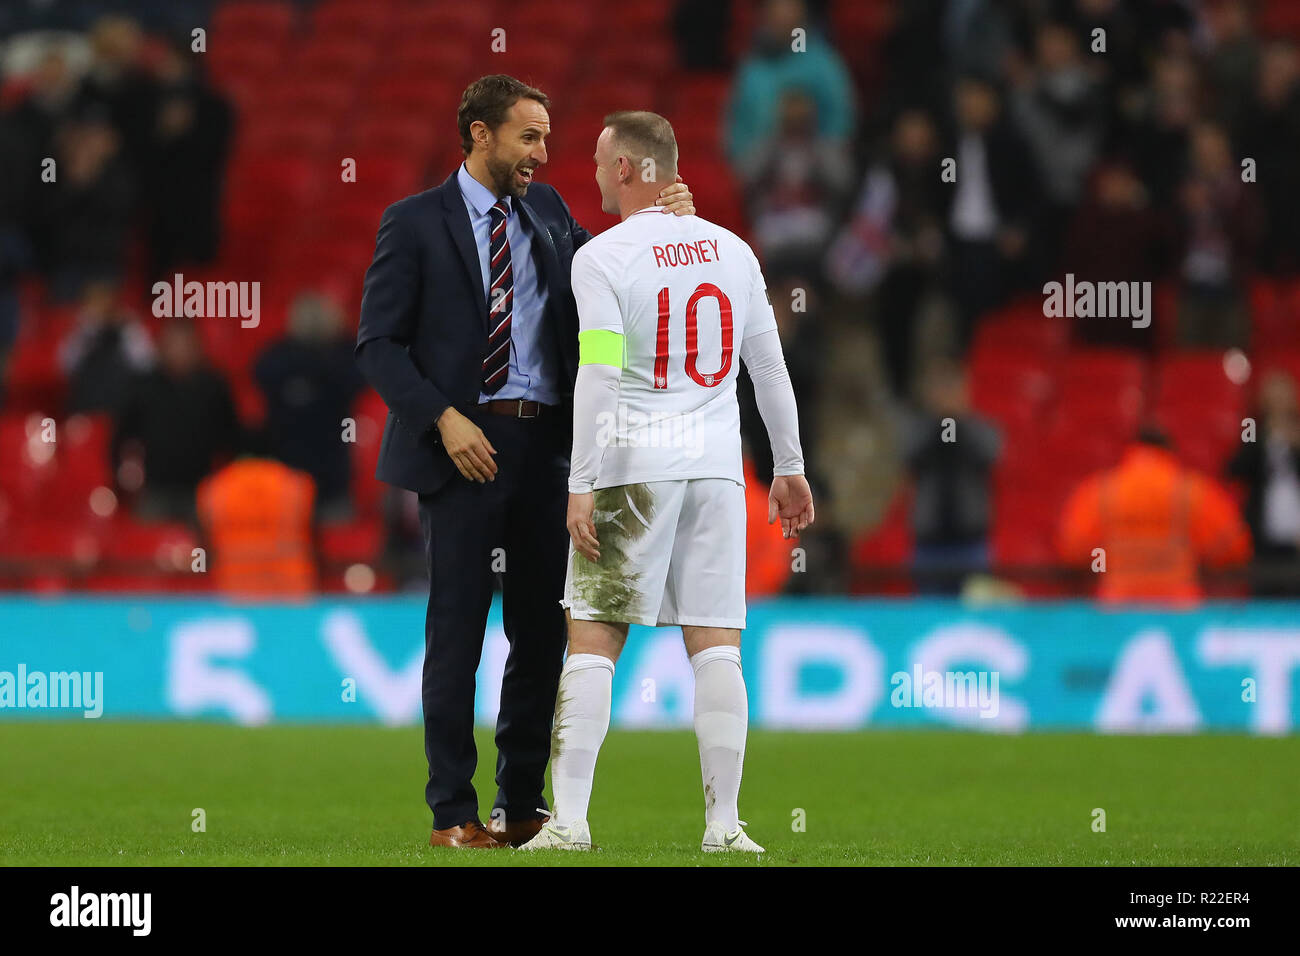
{"x": 106, "y": 793}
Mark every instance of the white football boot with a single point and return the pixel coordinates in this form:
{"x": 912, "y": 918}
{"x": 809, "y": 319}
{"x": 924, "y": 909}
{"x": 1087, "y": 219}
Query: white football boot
{"x": 553, "y": 837}
{"x": 717, "y": 840}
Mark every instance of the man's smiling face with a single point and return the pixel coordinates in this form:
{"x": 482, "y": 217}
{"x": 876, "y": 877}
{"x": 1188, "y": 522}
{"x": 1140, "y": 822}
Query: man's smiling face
{"x": 518, "y": 147}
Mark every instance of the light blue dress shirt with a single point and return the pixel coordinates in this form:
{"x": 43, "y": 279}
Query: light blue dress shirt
{"x": 533, "y": 373}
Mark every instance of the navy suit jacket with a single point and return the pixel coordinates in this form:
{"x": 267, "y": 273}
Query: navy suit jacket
{"x": 423, "y": 332}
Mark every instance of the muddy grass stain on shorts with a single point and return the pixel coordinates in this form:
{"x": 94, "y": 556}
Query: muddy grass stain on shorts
{"x": 606, "y": 586}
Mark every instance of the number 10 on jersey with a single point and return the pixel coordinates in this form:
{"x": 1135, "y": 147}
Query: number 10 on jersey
{"x": 702, "y": 291}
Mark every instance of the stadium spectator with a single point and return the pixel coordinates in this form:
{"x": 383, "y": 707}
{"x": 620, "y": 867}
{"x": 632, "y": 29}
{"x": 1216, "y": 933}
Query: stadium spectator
{"x": 1269, "y": 133}
{"x": 977, "y": 36}
{"x": 51, "y": 99}
{"x": 1156, "y": 522}
{"x": 950, "y": 453}
{"x": 86, "y": 222}
{"x": 991, "y": 207}
{"x": 1157, "y": 140}
{"x": 795, "y": 184}
{"x": 1057, "y": 106}
{"x": 178, "y": 420}
{"x": 1117, "y": 236}
{"x": 1171, "y": 70}
{"x": 1233, "y": 57}
{"x": 310, "y": 381}
{"x": 1122, "y": 69}
{"x": 256, "y": 516}
{"x": 184, "y": 163}
{"x": 696, "y": 28}
{"x": 108, "y": 346}
{"x": 1269, "y": 466}
{"x": 1220, "y": 222}
{"x": 15, "y": 248}
{"x": 117, "y": 86}
{"x": 893, "y": 244}
{"x": 914, "y": 59}
{"x": 781, "y": 61}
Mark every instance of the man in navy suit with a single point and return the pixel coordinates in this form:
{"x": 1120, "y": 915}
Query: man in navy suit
{"x": 469, "y": 332}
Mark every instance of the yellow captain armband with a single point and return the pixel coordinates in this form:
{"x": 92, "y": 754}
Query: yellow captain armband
{"x": 600, "y": 347}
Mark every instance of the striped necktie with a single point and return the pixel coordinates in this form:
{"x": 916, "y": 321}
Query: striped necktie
{"x": 501, "y": 297}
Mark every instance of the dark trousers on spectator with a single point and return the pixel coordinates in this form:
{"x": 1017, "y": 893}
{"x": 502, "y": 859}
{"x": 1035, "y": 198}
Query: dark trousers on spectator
{"x": 976, "y": 284}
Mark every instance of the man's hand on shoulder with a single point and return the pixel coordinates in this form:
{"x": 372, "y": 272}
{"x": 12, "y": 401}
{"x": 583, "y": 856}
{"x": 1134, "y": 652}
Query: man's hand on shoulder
{"x": 791, "y": 499}
{"x": 677, "y": 199}
{"x": 467, "y": 446}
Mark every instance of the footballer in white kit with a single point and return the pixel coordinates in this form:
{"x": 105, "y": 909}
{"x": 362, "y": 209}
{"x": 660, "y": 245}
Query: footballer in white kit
{"x": 668, "y": 308}
{"x": 675, "y": 305}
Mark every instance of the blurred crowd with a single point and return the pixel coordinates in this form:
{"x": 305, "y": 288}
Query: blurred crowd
{"x": 896, "y": 200}
{"x": 1100, "y": 138}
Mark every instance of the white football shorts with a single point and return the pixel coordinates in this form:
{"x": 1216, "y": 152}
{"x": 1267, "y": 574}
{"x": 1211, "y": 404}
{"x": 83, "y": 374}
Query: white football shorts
{"x": 671, "y": 552}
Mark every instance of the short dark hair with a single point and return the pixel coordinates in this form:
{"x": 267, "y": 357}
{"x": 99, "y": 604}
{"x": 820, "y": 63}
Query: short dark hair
{"x": 487, "y": 100}
{"x": 646, "y": 135}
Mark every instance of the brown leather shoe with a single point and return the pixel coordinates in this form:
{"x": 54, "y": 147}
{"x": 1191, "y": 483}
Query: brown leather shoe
{"x": 469, "y": 836}
{"x": 518, "y": 833}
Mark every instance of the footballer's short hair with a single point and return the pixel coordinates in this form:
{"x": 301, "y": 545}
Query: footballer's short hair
{"x": 640, "y": 135}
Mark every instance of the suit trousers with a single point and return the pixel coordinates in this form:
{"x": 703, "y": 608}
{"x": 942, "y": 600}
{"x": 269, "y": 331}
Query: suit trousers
{"x": 521, "y": 513}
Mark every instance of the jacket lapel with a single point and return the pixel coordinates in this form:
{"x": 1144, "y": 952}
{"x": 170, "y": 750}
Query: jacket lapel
{"x": 566, "y": 351}
{"x": 462, "y": 235}
{"x": 542, "y": 237}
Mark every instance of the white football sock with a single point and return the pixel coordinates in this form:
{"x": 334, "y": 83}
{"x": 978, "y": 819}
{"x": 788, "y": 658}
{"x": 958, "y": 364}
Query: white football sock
{"x": 721, "y": 721}
{"x": 581, "y": 719}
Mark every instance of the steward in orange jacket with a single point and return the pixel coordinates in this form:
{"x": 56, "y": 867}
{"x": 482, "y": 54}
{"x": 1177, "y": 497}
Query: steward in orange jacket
{"x": 1157, "y": 522}
{"x": 768, "y": 556}
{"x": 257, "y": 516}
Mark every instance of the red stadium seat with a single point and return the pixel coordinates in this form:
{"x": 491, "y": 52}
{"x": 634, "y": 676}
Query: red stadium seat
{"x": 407, "y": 93}
{"x": 886, "y": 545}
{"x": 1019, "y": 330}
{"x": 165, "y": 546}
{"x": 1103, "y": 368}
{"x": 113, "y": 582}
{"x": 398, "y": 136}
{"x": 638, "y": 55}
{"x": 249, "y": 58}
{"x": 302, "y": 135}
{"x": 319, "y": 96}
{"x": 357, "y": 542}
{"x": 241, "y": 20}
{"x": 333, "y": 58}
{"x": 1199, "y": 377}
{"x": 370, "y": 413}
{"x": 547, "y": 66}
{"x": 434, "y": 21}
{"x": 29, "y": 461}
{"x": 352, "y": 18}
{"x": 49, "y": 540}
{"x": 354, "y": 221}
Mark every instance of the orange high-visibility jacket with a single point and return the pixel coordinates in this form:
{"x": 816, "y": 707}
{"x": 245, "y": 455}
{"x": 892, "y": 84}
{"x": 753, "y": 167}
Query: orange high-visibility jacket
{"x": 1157, "y": 522}
{"x": 768, "y": 558}
{"x": 257, "y": 515}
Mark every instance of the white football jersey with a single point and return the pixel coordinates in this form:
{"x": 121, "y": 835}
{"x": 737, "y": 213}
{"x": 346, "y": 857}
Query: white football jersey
{"x": 684, "y": 293}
